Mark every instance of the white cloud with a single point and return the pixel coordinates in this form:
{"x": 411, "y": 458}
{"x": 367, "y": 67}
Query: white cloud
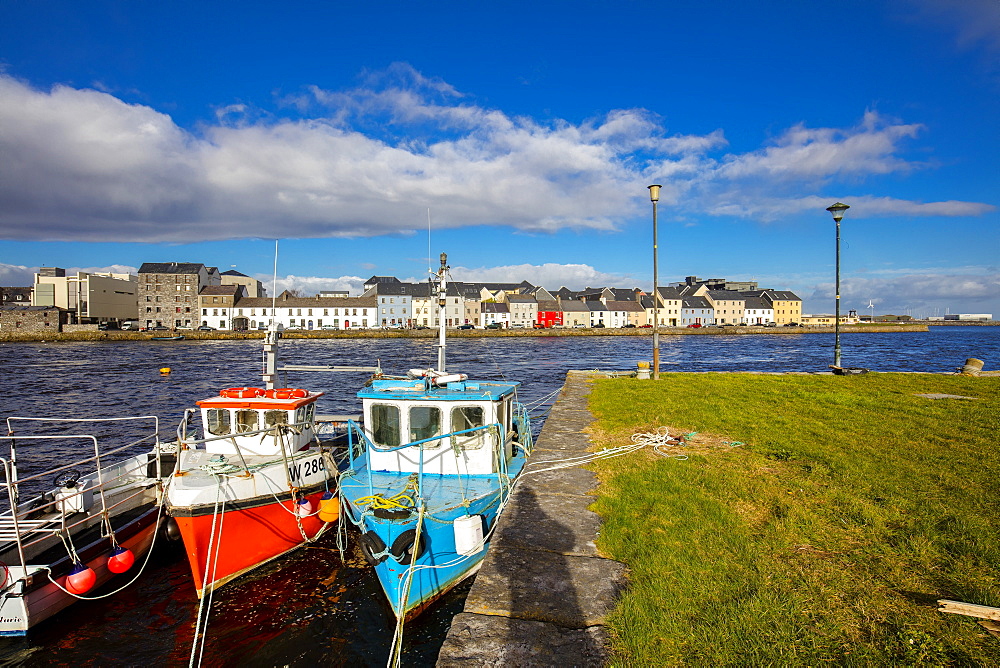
{"x": 84, "y": 165}
{"x": 805, "y": 153}
{"x": 311, "y": 285}
{"x": 16, "y": 276}
{"x": 862, "y": 206}
{"x": 549, "y": 275}
{"x": 918, "y": 294}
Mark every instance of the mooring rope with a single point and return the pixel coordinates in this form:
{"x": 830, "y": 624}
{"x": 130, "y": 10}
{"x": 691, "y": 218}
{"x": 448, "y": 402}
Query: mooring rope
{"x": 198, "y": 648}
{"x": 396, "y": 651}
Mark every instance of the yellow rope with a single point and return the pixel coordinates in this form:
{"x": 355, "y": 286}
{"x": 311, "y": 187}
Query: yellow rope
{"x": 379, "y": 502}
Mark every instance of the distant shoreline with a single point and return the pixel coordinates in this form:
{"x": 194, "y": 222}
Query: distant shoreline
{"x": 117, "y": 335}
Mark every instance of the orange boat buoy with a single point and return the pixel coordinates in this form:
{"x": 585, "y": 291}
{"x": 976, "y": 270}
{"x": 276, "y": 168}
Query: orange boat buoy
{"x": 329, "y": 507}
{"x": 80, "y": 580}
{"x": 121, "y": 560}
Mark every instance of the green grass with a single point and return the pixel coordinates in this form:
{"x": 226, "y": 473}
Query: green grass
{"x": 827, "y": 537}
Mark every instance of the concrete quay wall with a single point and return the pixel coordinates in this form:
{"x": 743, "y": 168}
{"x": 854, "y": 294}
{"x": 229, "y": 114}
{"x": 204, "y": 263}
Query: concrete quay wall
{"x": 543, "y": 593}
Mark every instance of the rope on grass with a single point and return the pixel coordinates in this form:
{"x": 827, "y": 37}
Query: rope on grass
{"x": 660, "y": 439}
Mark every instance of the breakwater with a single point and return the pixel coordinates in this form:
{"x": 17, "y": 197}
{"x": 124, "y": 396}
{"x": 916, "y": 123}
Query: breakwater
{"x": 117, "y": 335}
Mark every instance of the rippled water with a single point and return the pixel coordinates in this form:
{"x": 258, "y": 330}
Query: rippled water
{"x": 312, "y": 607}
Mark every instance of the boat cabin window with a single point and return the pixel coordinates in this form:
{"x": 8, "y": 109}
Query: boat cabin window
{"x": 425, "y": 422}
{"x": 385, "y": 425}
{"x": 218, "y": 421}
{"x": 468, "y": 417}
{"x": 305, "y": 414}
{"x": 246, "y": 421}
{"x": 272, "y": 418}
{"x": 502, "y": 416}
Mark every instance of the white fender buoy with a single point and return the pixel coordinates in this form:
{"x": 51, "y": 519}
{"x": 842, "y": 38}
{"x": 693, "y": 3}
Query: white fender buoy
{"x": 469, "y": 535}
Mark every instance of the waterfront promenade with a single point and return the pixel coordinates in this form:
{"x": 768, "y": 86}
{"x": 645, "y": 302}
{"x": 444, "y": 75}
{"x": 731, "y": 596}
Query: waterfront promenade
{"x": 544, "y": 590}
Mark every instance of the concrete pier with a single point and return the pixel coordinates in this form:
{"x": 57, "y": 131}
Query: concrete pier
{"x": 544, "y": 592}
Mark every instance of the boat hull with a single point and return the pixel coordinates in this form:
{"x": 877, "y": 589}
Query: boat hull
{"x": 438, "y": 567}
{"x": 246, "y": 536}
{"x": 35, "y": 598}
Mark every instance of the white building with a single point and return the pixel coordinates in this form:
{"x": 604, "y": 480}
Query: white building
{"x": 307, "y": 313}
{"x": 757, "y": 312}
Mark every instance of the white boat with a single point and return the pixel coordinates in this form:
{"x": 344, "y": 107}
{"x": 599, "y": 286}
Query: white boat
{"x": 67, "y": 533}
{"x": 256, "y": 483}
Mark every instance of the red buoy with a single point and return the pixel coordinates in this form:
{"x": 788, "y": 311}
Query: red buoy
{"x": 121, "y": 560}
{"x": 80, "y": 580}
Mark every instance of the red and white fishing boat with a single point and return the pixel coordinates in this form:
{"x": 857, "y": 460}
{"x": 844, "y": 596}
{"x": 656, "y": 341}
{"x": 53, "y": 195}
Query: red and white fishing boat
{"x": 256, "y": 484}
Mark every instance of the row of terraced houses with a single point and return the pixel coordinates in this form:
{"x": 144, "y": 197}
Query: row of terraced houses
{"x": 179, "y": 295}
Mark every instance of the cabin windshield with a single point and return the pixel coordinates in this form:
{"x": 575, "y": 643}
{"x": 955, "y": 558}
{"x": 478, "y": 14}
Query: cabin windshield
{"x": 305, "y": 414}
{"x": 468, "y": 417}
{"x": 502, "y": 415}
{"x": 274, "y": 418}
{"x": 246, "y": 420}
{"x": 425, "y": 422}
{"x": 385, "y": 425}
{"x": 218, "y": 421}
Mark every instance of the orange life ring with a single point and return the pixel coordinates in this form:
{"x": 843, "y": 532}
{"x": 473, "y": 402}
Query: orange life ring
{"x": 286, "y": 393}
{"x": 241, "y": 393}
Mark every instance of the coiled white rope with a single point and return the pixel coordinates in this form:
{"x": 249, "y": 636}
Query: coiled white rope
{"x": 660, "y": 439}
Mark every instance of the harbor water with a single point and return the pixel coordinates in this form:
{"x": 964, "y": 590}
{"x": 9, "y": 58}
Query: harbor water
{"x": 315, "y": 607}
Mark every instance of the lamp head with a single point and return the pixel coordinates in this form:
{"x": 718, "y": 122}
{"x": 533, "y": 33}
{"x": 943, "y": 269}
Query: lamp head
{"x": 654, "y": 193}
{"x": 838, "y": 210}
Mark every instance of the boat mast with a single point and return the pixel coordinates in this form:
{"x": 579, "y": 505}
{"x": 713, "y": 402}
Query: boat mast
{"x": 442, "y": 301}
{"x": 270, "y": 371}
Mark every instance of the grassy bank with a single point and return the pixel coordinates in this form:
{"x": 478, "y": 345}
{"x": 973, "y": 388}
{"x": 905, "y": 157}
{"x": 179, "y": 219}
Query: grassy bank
{"x": 817, "y": 520}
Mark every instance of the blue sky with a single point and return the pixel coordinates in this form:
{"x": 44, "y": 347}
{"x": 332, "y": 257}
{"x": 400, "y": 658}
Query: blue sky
{"x": 136, "y": 132}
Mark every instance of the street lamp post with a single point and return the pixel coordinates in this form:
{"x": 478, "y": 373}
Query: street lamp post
{"x": 654, "y": 196}
{"x": 837, "y": 210}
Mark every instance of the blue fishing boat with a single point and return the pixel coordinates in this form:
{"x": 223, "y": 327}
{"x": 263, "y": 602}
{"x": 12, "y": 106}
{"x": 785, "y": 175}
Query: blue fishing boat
{"x": 429, "y": 470}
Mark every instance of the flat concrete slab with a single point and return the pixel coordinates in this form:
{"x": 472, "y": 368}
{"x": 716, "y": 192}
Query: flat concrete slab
{"x": 557, "y": 523}
{"x": 573, "y": 592}
{"x": 478, "y": 640}
{"x": 561, "y": 481}
{"x": 543, "y": 592}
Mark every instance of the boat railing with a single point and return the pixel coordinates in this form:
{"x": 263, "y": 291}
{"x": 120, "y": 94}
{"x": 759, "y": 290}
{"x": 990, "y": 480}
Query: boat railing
{"x": 276, "y": 430}
{"x": 354, "y": 428}
{"x": 522, "y": 422}
{"x": 57, "y": 511}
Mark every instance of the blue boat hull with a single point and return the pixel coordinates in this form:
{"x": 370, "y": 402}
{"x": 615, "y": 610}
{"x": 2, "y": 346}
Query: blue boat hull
{"x": 410, "y": 588}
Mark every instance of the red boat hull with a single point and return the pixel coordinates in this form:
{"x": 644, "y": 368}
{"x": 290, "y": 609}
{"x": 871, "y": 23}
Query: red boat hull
{"x": 248, "y": 537}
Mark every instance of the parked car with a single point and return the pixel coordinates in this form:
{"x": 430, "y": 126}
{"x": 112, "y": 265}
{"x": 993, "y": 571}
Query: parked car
{"x": 628, "y": 326}
{"x": 598, "y": 325}
{"x": 538, "y": 325}
{"x": 695, "y": 325}
{"x": 791, "y": 324}
{"x": 494, "y": 325}
{"x": 206, "y": 328}
{"x": 645, "y": 327}
{"x": 466, "y": 326}
{"x": 159, "y": 328}
{"x": 770, "y": 324}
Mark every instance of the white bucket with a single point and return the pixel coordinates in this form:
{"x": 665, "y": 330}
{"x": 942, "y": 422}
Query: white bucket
{"x": 469, "y": 535}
